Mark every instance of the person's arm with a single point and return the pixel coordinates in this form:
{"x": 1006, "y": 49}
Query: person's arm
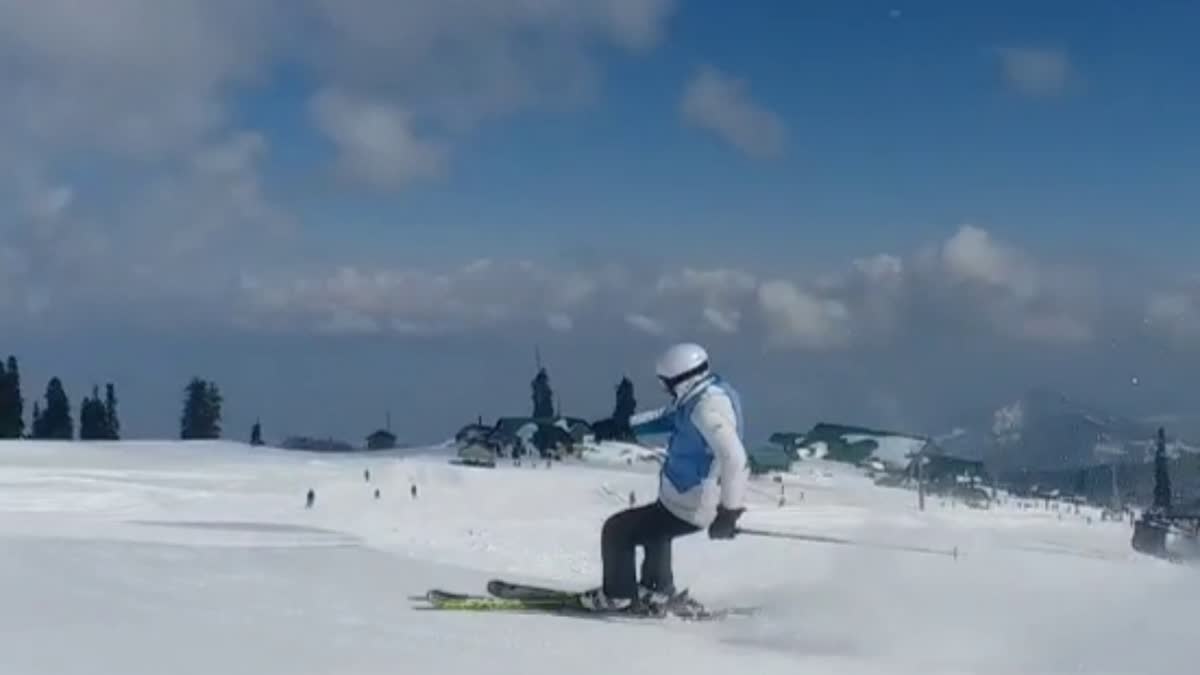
{"x": 658, "y": 421}
{"x": 715, "y": 418}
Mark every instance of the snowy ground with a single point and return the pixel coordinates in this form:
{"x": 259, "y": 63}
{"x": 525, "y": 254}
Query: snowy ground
{"x": 158, "y": 558}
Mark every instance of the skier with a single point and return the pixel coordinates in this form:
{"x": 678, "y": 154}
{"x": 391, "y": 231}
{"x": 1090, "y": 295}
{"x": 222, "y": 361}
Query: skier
{"x": 701, "y": 484}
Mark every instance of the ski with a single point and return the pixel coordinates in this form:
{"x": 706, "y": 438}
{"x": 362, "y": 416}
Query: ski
{"x": 681, "y": 606}
{"x": 506, "y": 596}
{"x": 507, "y": 589}
{"x": 441, "y": 599}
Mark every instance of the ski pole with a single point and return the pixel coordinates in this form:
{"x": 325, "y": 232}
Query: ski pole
{"x": 825, "y": 539}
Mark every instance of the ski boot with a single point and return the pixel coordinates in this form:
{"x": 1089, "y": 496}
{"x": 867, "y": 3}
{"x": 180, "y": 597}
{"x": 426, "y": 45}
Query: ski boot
{"x": 653, "y": 602}
{"x": 595, "y": 600}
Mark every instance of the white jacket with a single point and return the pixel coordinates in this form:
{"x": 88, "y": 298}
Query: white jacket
{"x": 705, "y": 463}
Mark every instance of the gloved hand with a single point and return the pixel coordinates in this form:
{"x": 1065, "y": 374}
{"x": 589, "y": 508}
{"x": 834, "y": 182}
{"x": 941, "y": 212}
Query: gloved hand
{"x": 724, "y": 526}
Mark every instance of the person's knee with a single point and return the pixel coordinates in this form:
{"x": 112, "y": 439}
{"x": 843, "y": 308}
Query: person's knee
{"x": 619, "y": 527}
{"x": 613, "y": 530}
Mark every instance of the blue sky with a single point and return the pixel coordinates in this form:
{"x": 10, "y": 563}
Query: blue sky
{"x": 899, "y": 128}
{"x": 827, "y": 191}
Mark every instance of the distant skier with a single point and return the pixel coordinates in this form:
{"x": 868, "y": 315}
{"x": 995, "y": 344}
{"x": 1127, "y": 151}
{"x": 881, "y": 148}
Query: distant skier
{"x": 309, "y": 499}
{"x": 376, "y": 493}
{"x": 701, "y": 484}
{"x": 367, "y": 475}
{"x": 413, "y": 490}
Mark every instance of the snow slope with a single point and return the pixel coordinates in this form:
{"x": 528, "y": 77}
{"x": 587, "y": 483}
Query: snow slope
{"x": 617, "y": 453}
{"x": 179, "y": 558}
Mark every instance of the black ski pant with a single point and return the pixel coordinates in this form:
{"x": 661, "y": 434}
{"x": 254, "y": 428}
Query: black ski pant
{"x": 653, "y": 528}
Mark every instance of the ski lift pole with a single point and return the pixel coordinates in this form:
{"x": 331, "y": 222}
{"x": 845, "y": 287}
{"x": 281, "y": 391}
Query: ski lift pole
{"x": 825, "y": 539}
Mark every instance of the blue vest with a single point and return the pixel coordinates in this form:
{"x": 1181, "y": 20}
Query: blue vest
{"x": 689, "y": 457}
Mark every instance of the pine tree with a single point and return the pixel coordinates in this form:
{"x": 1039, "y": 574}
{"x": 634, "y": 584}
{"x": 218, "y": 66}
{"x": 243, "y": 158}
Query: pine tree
{"x": 626, "y": 403}
{"x": 92, "y": 418}
{"x": 543, "y": 396}
{"x": 625, "y": 408}
{"x": 256, "y": 433}
{"x": 39, "y": 425}
{"x": 201, "y": 417}
{"x": 12, "y": 404}
{"x": 112, "y": 425}
{"x": 192, "y": 410}
{"x": 212, "y": 404}
{"x": 6, "y": 407}
{"x": 55, "y": 419}
{"x": 16, "y": 400}
{"x": 1162, "y": 476}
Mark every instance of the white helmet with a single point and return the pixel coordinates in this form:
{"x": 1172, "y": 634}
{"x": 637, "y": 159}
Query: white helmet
{"x": 680, "y": 363}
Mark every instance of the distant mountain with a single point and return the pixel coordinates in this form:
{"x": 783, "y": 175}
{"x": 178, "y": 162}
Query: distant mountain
{"x": 1047, "y": 430}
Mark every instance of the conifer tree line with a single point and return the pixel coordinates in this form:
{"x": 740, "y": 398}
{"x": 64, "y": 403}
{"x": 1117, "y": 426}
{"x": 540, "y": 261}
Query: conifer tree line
{"x": 53, "y": 417}
{"x": 614, "y": 427}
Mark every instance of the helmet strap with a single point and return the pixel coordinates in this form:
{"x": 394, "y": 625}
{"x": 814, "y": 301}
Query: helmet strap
{"x": 672, "y": 382}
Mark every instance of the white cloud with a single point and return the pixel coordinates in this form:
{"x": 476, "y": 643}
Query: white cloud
{"x": 455, "y": 64}
{"x": 723, "y": 320}
{"x": 479, "y": 295}
{"x": 720, "y": 103}
{"x": 796, "y": 318}
{"x": 215, "y": 203}
{"x": 145, "y": 78}
{"x": 562, "y": 323}
{"x": 376, "y": 142}
{"x": 142, "y": 91}
{"x": 1036, "y": 71}
{"x": 883, "y": 269}
{"x": 137, "y": 94}
{"x": 1175, "y": 315}
{"x": 971, "y": 255}
{"x": 575, "y": 290}
{"x": 719, "y": 294}
{"x": 178, "y": 241}
{"x": 880, "y": 289}
{"x": 347, "y": 322}
{"x": 646, "y": 324}
{"x": 184, "y": 241}
{"x": 970, "y": 283}
{"x": 711, "y": 284}
{"x": 142, "y": 94}
{"x": 233, "y": 156}
{"x": 137, "y": 78}
{"x": 1001, "y": 285}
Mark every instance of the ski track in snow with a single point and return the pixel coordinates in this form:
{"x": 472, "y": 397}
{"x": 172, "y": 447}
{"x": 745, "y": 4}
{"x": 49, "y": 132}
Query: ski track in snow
{"x": 178, "y": 558}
